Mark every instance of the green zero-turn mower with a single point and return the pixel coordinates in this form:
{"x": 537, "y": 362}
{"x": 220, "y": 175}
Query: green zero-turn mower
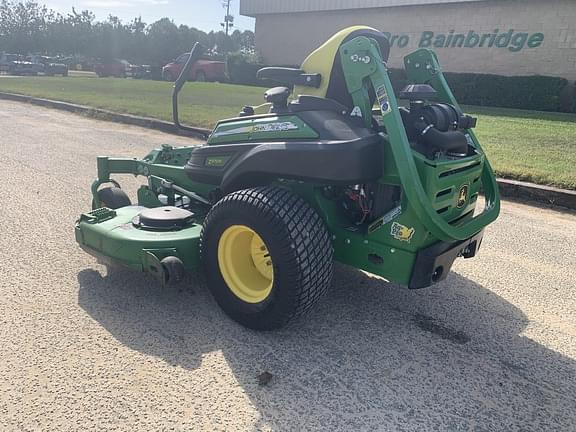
{"x": 267, "y": 204}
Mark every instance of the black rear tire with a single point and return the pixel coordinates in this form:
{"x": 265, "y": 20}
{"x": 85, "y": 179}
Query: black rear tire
{"x": 113, "y": 198}
{"x": 298, "y": 244}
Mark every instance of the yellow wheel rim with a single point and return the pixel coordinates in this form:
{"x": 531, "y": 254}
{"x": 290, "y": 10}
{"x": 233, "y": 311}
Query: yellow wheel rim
{"x": 245, "y": 264}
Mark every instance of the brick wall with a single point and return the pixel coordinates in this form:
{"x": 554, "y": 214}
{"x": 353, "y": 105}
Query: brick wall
{"x": 288, "y": 38}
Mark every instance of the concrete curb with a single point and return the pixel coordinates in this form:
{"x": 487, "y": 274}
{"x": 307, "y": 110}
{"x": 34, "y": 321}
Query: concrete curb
{"x": 508, "y": 188}
{"x": 102, "y": 114}
{"x": 532, "y": 192}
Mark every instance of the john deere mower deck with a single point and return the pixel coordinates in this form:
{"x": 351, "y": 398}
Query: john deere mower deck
{"x": 271, "y": 200}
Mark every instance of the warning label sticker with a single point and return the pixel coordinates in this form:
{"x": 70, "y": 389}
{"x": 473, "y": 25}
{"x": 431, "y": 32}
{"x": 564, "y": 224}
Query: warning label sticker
{"x": 383, "y": 101}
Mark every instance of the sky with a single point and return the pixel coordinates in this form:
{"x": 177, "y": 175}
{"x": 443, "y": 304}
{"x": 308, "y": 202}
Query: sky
{"x": 202, "y": 14}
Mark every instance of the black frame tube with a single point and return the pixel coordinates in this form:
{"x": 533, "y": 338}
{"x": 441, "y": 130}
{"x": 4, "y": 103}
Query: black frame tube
{"x": 195, "y": 54}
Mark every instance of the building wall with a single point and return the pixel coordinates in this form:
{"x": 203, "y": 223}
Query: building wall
{"x": 254, "y": 7}
{"x": 286, "y": 38}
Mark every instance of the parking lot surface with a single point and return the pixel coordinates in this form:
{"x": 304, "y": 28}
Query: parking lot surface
{"x": 492, "y": 348}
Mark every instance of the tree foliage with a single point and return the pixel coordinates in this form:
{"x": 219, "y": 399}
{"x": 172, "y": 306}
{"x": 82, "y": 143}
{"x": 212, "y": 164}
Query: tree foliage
{"x": 30, "y": 27}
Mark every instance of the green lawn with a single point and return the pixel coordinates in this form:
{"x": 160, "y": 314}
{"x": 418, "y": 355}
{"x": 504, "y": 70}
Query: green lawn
{"x": 526, "y": 145}
{"x": 534, "y": 146}
{"x": 201, "y": 104}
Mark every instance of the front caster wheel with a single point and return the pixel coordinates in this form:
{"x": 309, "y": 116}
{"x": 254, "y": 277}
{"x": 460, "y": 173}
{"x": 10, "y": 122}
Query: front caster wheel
{"x": 173, "y": 270}
{"x": 267, "y": 256}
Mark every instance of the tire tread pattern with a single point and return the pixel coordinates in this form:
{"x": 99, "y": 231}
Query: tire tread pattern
{"x": 306, "y": 244}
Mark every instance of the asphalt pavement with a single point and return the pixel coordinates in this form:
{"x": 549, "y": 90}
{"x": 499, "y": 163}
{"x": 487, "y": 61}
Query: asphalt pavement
{"x": 492, "y": 348}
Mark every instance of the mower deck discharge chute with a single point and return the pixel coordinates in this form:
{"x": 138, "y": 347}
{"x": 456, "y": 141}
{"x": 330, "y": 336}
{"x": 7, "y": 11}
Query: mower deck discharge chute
{"x": 271, "y": 200}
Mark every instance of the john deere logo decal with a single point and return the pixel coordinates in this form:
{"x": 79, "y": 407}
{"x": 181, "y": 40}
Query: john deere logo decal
{"x": 401, "y": 232}
{"x": 462, "y": 196}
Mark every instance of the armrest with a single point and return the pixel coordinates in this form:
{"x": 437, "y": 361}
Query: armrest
{"x": 289, "y": 76}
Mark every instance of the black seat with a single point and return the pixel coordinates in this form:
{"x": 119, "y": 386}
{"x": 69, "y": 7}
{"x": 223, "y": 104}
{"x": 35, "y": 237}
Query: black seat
{"x": 344, "y": 153}
{"x": 289, "y": 76}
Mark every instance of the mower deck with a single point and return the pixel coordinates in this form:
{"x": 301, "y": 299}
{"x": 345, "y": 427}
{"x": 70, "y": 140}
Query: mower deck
{"x": 113, "y": 237}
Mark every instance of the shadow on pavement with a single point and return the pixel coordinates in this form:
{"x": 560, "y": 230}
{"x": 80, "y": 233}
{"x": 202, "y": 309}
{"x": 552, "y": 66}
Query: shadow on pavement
{"x": 370, "y": 356}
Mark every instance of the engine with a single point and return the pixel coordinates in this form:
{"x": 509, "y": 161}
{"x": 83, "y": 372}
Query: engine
{"x": 436, "y": 130}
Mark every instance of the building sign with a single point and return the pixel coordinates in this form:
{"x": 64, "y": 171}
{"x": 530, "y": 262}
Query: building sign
{"x": 513, "y": 41}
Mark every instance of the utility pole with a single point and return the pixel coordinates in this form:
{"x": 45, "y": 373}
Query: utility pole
{"x": 228, "y": 19}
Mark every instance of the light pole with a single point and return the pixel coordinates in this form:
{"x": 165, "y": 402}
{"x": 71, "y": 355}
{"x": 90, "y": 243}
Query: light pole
{"x": 228, "y": 19}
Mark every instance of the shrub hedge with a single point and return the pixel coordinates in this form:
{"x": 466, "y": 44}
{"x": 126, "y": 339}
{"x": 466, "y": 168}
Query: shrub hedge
{"x": 541, "y": 93}
{"x": 242, "y": 71}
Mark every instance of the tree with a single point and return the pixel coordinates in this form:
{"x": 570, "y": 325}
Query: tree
{"x": 22, "y": 25}
{"x": 244, "y": 41}
{"x": 163, "y": 41}
{"x": 28, "y": 27}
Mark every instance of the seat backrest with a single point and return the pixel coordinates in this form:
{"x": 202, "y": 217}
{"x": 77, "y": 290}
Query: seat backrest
{"x": 325, "y": 60}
